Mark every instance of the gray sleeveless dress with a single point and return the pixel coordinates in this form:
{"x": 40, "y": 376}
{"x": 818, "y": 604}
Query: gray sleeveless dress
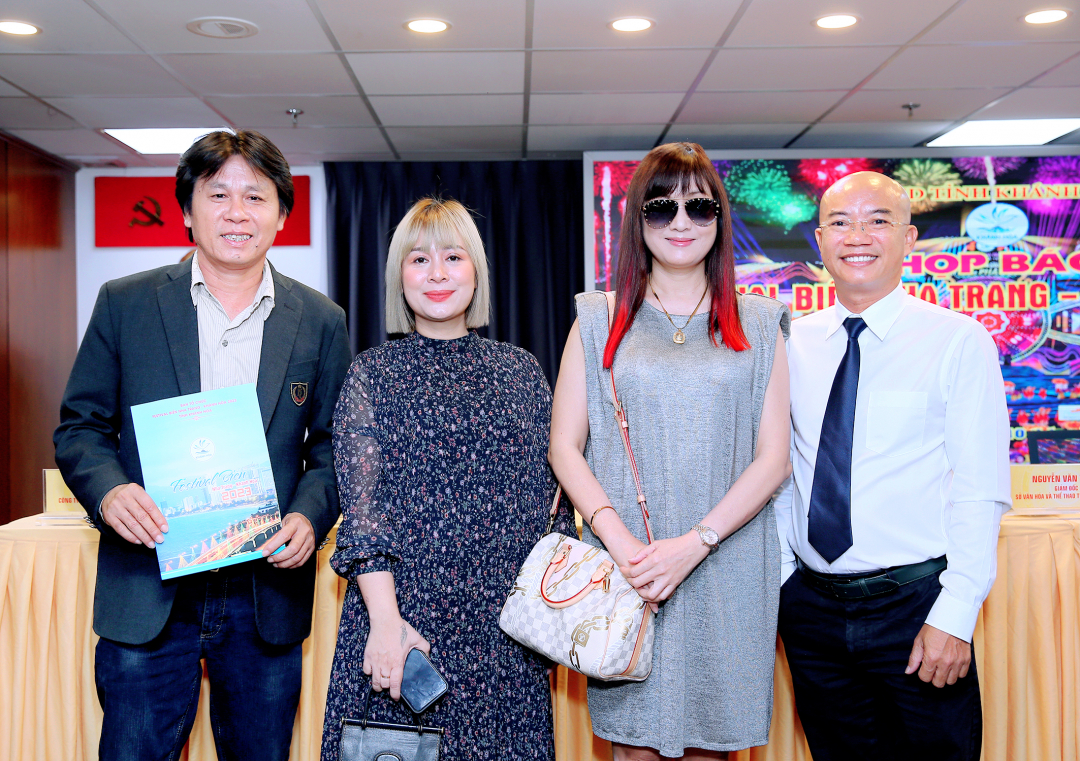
{"x": 694, "y": 412}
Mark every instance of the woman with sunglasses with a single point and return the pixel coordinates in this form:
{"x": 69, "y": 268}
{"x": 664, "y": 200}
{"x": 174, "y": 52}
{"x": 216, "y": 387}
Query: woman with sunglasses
{"x": 440, "y": 446}
{"x": 702, "y": 375}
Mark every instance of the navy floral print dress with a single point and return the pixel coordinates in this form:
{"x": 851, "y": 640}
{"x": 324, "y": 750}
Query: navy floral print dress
{"x": 441, "y": 456}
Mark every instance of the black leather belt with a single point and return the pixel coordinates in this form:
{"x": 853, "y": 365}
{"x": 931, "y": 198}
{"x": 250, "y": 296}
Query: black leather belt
{"x": 856, "y": 586}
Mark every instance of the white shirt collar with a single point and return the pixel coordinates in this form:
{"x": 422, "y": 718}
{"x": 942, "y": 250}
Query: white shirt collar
{"x": 266, "y": 287}
{"x": 879, "y": 316}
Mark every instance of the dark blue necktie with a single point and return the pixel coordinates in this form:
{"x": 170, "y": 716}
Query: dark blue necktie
{"x": 829, "y": 521}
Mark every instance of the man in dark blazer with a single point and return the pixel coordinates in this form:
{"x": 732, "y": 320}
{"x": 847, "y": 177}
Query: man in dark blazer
{"x": 224, "y": 318}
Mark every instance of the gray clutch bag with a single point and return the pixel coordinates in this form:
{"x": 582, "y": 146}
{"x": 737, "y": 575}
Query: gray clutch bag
{"x": 363, "y": 740}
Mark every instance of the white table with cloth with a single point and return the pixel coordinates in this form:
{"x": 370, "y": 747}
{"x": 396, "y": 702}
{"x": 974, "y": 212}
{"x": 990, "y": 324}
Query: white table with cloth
{"x": 1027, "y": 644}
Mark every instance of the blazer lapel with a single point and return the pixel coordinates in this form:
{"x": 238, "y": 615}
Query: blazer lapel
{"x": 279, "y": 334}
{"x": 181, "y": 328}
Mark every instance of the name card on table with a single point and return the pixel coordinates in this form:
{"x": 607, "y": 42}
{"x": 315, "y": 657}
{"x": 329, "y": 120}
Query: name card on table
{"x": 1046, "y": 488}
{"x": 56, "y": 496}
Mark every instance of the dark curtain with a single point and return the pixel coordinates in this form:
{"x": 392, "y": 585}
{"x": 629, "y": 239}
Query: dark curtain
{"x": 530, "y": 217}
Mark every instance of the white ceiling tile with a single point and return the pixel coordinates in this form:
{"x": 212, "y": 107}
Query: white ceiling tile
{"x": 1006, "y": 65}
{"x": 555, "y": 155}
{"x": 57, "y": 76}
{"x": 1003, "y": 21}
{"x": 380, "y": 26}
{"x": 330, "y": 140}
{"x": 462, "y": 155}
{"x": 592, "y": 88}
{"x": 756, "y": 107}
{"x": 1047, "y": 102}
{"x": 66, "y": 27}
{"x": 786, "y": 23}
{"x": 887, "y": 105}
{"x": 152, "y": 160}
{"x": 792, "y": 68}
{"x": 615, "y": 70}
{"x": 27, "y": 113}
{"x": 262, "y": 74}
{"x": 713, "y": 137}
{"x": 65, "y": 142}
{"x": 619, "y": 137}
{"x": 102, "y": 113}
{"x": 859, "y": 135}
{"x": 1065, "y": 75}
{"x": 455, "y": 138}
{"x": 258, "y": 111}
{"x": 284, "y": 25}
{"x": 576, "y": 24}
{"x": 447, "y": 110}
{"x": 602, "y": 108}
{"x": 427, "y": 73}
{"x": 298, "y": 159}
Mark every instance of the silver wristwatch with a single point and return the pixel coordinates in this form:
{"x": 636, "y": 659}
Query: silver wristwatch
{"x": 708, "y": 537}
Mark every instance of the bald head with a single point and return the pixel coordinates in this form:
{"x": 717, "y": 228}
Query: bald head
{"x": 864, "y": 237}
{"x": 863, "y": 184}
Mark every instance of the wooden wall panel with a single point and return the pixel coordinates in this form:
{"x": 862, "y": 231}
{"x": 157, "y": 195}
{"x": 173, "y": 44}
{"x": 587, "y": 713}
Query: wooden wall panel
{"x": 5, "y": 447}
{"x": 40, "y": 315}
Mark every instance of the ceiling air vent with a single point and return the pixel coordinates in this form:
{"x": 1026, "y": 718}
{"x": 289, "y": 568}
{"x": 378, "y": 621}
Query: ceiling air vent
{"x": 222, "y": 28}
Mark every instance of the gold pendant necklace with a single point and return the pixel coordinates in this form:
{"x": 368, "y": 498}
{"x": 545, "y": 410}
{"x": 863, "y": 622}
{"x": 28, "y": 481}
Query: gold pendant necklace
{"x": 679, "y": 337}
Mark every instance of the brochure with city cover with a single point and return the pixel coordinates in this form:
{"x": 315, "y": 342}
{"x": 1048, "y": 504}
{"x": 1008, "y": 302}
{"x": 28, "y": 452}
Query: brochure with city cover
{"x": 206, "y": 466}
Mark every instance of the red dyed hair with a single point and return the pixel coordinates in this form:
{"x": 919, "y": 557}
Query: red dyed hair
{"x": 665, "y": 170}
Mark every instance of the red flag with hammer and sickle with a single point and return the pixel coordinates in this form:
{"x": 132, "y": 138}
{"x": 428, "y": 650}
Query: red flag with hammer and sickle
{"x": 142, "y": 212}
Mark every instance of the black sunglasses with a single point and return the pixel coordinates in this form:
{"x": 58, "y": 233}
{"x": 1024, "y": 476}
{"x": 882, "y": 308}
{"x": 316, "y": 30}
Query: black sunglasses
{"x": 661, "y": 212}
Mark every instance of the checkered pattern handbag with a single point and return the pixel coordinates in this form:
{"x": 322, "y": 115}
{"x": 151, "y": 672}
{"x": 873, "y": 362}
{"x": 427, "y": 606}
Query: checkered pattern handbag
{"x": 571, "y": 604}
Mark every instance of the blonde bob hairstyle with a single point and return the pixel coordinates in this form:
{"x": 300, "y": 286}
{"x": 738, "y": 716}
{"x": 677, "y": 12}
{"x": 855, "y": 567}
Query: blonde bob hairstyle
{"x": 446, "y": 223}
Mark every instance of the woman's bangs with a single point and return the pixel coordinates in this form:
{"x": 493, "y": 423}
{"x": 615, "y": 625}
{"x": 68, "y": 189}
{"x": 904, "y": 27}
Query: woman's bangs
{"x": 437, "y": 229}
{"x": 680, "y": 177}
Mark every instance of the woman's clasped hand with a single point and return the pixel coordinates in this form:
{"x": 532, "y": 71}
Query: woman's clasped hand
{"x": 657, "y": 569}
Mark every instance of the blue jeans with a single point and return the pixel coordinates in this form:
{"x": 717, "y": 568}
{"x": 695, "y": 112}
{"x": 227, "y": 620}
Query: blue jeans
{"x": 150, "y": 693}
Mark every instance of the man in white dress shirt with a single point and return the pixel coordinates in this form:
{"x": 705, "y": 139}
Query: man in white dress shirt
{"x": 900, "y": 477}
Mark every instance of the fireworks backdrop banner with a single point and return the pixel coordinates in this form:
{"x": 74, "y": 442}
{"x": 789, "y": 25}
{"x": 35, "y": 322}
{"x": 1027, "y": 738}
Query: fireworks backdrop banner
{"x": 999, "y": 240}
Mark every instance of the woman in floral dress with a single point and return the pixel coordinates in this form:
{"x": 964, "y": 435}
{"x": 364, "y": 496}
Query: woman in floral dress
{"x": 440, "y": 444}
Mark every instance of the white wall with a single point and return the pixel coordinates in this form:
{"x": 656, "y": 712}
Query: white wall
{"x": 95, "y": 266}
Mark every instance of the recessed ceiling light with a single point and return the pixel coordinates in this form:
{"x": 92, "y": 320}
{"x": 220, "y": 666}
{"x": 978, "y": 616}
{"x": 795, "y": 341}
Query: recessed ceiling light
{"x": 160, "y": 141}
{"x": 222, "y": 27}
{"x": 1046, "y": 17}
{"x": 427, "y": 25}
{"x": 837, "y": 21}
{"x": 1006, "y": 132}
{"x": 18, "y": 27}
{"x": 631, "y": 24}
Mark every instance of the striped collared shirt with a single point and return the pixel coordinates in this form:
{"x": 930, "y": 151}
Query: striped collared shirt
{"x": 229, "y": 350}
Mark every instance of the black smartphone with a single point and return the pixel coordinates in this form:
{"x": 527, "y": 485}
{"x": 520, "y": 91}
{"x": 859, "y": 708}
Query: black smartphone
{"x": 421, "y": 684}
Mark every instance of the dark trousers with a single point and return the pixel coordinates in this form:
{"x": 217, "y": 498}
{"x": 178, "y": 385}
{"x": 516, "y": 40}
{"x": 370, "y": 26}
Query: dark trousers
{"x": 150, "y": 693}
{"x": 847, "y": 660}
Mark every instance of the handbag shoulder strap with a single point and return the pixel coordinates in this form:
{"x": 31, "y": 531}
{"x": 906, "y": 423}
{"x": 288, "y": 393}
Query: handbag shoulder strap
{"x": 624, "y": 434}
{"x": 554, "y": 510}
